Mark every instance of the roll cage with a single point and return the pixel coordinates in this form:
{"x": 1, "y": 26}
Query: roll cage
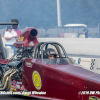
{"x": 39, "y": 48}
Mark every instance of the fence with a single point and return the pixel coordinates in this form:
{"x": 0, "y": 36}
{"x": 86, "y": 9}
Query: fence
{"x": 56, "y": 32}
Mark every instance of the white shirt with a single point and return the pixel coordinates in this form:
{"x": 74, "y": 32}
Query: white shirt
{"x": 12, "y": 40}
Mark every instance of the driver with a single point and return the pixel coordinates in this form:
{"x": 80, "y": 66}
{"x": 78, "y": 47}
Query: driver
{"x": 51, "y": 55}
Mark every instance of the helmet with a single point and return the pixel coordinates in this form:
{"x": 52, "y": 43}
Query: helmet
{"x": 48, "y": 52}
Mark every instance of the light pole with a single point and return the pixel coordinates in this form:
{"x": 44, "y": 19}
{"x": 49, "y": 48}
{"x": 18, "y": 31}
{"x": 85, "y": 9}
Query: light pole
{"x": 58, "y": 13}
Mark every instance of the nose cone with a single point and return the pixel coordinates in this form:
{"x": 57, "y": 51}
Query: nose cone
{"x": 81, "y": 77}
{"x": 93, "y": 83}
{"x": 91, "y": 79}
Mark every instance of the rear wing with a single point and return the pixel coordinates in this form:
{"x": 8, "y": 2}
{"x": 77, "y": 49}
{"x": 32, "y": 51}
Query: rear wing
{"x": 14, "y": 23}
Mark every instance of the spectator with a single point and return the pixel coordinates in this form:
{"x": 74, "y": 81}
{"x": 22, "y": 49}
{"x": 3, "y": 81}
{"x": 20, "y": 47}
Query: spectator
{"x": 62, "y": 35}
{"x": 18, "y": 31}
{"x": 10, "y": 38}
{"x": 85, "y": 32}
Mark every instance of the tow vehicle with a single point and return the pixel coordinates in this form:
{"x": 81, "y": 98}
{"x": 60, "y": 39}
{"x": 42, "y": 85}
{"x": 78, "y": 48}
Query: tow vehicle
{"x": 60, "y": 78}
{"x": 73, "y": 31}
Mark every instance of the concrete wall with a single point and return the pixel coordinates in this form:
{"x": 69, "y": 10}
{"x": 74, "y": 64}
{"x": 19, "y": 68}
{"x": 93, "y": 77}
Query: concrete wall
{"x": 91, "y": 64}
{"x": 84, "y": 46}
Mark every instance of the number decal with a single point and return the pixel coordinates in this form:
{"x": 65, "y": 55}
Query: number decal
{"x": 20, "y": 38}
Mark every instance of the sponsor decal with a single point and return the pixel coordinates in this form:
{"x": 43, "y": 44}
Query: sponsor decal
{"x": 28, "y": 64}
{"x": 13, "y": 82}
{"x": 31, "y": 43}
{"x": 34, "y": 60}
{"x": 22, "y": 88}
{"x": 17, "y": 86}
{"x": 14, "y": 86}
{"x": 94, "y": 98}
{"x": 19, "y": 82}
{"x": 36, "y": 80}
{"x": 26, "y": 94}
{"x": 52, "y": 52}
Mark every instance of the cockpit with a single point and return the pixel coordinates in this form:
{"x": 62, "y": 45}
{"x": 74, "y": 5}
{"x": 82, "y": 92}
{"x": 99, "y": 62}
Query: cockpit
{"x": 44, "y": 50}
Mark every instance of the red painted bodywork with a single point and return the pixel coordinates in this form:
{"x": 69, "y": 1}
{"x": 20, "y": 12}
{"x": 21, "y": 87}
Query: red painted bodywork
{"x": 61, "y": 81}
{"x": 27, "y": 38}
{"x": 58, "y": 81}
{"x": 2, "y": 61}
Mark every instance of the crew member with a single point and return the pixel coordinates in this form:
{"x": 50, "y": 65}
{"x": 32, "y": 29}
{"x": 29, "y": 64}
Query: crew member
{"x": 10, "y": 38}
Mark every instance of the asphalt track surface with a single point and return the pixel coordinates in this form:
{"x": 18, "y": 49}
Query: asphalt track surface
{"x": 17, "y": 97}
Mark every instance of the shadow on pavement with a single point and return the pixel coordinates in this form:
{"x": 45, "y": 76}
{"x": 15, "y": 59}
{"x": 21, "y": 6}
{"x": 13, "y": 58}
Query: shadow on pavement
{"x": 17, "y": 97}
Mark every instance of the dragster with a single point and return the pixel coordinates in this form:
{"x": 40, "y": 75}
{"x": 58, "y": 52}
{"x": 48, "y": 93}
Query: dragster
{"x": 60, "y": 78}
